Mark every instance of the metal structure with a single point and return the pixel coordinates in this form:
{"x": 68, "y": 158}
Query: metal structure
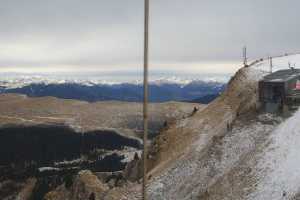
{"x": 145, "y": 104}
{"x": 271, "y": 64}
{"x": 280, "y": 90}
{"x": 245, "y": 59}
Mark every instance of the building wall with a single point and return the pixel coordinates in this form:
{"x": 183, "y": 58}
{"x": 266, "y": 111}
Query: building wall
{"x": 291, "y": 84}
{"x": 272, "y": 95}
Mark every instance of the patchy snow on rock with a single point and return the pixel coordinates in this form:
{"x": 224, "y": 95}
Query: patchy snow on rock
{"x": 199, "y": 172}
{"x": 254, "y": 74}
{"x": 129, "y": 154}
{"x": 279, "y": 166}
{"x": 69, "y": 162}
{"x": 43, "y": 169}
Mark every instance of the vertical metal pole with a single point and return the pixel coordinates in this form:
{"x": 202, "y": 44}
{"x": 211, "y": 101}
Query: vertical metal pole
{"x": 245, "y": 55}
{"x": 271, "y": 65}
{"x": 145, "y": 105}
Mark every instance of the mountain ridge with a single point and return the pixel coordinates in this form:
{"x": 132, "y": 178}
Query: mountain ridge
{"x": 121, "y": 92}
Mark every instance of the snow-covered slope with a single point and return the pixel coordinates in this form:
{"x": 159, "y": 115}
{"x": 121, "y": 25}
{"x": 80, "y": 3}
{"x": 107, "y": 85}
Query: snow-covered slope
{"x": 278, "y": 167}
{"x": 268, "y": 167}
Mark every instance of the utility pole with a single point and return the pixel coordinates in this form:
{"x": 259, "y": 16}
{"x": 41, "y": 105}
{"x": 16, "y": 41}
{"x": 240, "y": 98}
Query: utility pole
{"x": 271, "y": 64}
{"x": 145, "y": 104}
{"x": 245, "y": 55}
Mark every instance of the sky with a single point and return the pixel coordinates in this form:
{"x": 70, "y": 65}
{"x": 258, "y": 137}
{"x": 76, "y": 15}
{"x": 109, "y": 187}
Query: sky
{"x": 106, "y": 36}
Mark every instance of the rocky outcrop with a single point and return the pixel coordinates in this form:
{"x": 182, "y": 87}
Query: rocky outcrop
{"x": 26, "y": 192}
{"x": 133, "y": 170}
{"x": 239, "y": 97}
{"x": 17, "y": 190}
{"x": 85, "y": 186}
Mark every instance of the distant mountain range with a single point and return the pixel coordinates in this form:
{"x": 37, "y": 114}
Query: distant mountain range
{"x": 160, "y": 91}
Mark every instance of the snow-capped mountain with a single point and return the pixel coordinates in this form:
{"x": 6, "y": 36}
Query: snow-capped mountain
{"x": 161, "y": 89}
{"x": 25, "y": 80}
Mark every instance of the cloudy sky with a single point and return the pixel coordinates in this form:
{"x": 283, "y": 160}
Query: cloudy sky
{"x": 107, "y": 35}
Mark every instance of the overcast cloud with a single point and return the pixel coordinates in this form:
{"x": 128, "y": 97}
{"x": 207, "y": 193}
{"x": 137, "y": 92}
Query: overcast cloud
{"x": 108, "y": 34}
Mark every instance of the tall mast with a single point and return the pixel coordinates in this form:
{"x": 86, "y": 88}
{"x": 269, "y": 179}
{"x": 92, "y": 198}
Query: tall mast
{"x": 245, "y": 55}
{"x": 271, "y": 64}
{"x": 145, "y": 105}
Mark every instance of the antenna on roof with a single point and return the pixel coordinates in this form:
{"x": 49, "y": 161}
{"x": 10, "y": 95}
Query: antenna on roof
{"x": 271, "y": 64}
{"x": 245, "y": 59}
{"x": 290, "y": 66}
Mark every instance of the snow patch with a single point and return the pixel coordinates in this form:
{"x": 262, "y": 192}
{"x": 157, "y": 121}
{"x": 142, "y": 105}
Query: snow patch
{"x": 43, "y": 169}
{"x": 278, "y": 168}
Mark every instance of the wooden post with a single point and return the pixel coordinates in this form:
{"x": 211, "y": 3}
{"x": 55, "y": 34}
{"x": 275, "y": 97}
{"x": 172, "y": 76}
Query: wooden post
{"x": 145, "y": 104}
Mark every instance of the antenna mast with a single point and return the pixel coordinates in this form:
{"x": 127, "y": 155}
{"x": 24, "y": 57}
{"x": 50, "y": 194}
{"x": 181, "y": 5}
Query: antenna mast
{"x": 271, "y": 64}
{"x": 245, "y": 55}
{"x": 145, "y": 104}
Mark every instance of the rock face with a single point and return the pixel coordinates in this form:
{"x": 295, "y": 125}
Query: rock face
{"x": 27, "y": 190}
{"x": 85, "y": 186}
{"x": 240, "y": 97}
{"x": 88, "y": 186}
{"x": 133, "y": 170}
{"x": 17, "y": 190}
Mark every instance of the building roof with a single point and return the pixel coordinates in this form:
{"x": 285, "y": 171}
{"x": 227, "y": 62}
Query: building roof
{"x": 282, "y": 75}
